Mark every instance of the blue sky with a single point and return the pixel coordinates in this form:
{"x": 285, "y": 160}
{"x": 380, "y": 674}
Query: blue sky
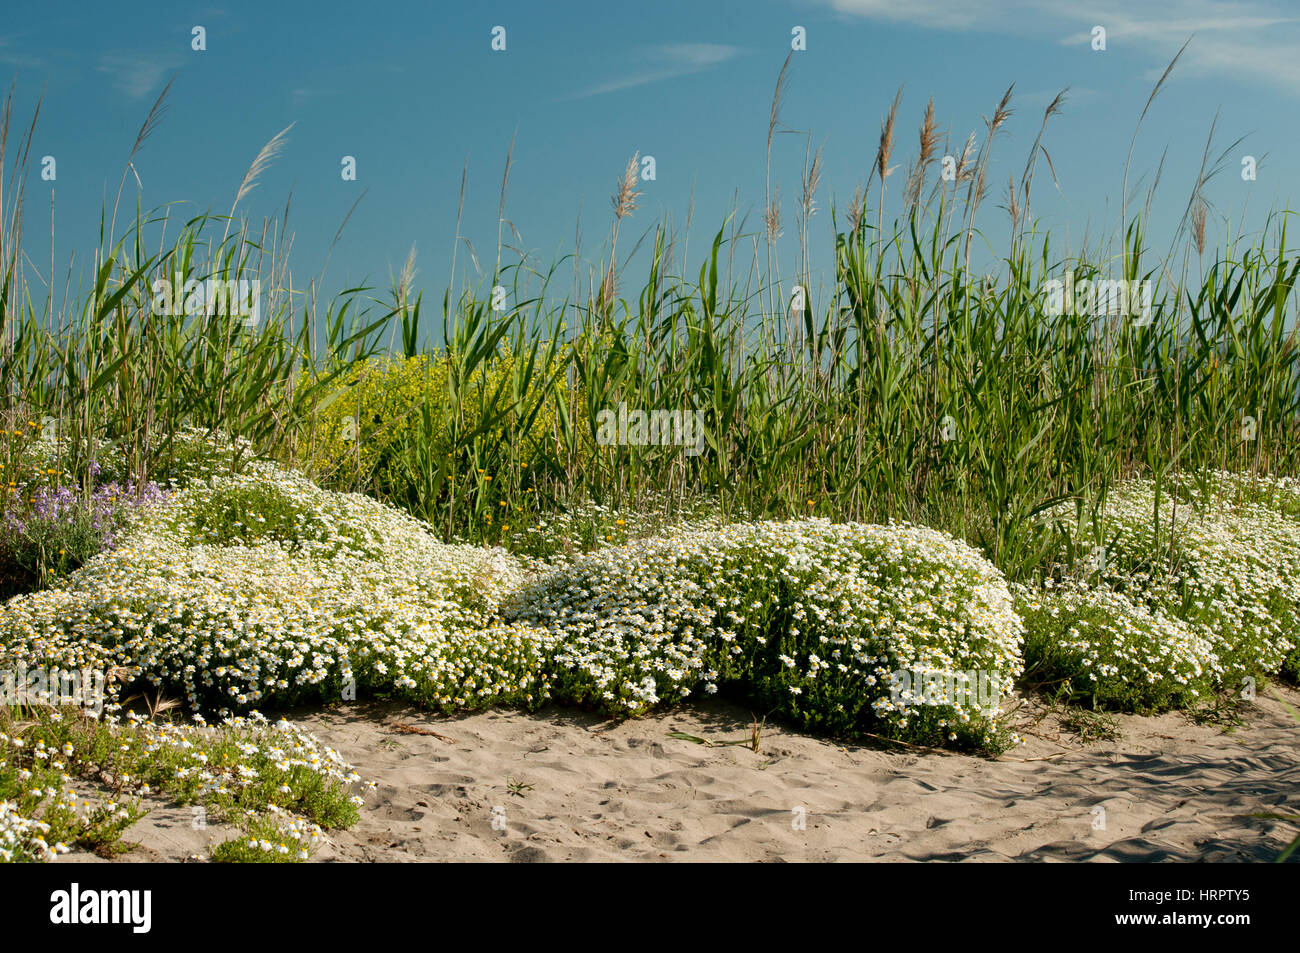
{"x": 411, "y": 89}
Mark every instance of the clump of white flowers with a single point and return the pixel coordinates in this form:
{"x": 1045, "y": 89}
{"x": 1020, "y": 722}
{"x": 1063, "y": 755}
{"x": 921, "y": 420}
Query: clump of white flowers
{"x": 1112, "y": 652}
{"x": 23, "y": 838}
{"x": 808, "y": 618}
{"x": 258, "y": 588}
{"x": 1195, "y": 588}
{"x": 245, "y": 771}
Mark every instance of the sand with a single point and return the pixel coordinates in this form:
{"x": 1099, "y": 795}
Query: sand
{"x": 563, "y": 785}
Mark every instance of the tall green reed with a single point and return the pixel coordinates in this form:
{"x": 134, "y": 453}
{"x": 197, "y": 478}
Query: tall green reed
{"x": 913, "y": 388}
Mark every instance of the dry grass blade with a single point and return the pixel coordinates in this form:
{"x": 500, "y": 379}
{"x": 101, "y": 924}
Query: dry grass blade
{"x": 1003, "y": 112}
{"x": 1155, "y": 91}
{"x": 624, "y": 199}
{"x": 1027, "y": 178}
{"x": 857, "y": 209}
{"x": 978, "y": 188}
{"x": 1123, "y": 195}
{"x": 337, "y": 235}
{"x": 344, "y": 223}
{"x": 1198, "y": 226}
{"x": 929, "y": 144}
{"x": 155, "y": 706}
{"x": 812, "y": 179}
{"x": 501, "y": 209}
{"x": 608, "y": 288}
{"x": 772, "y": 216}
{"x": 151, "y": 122}
{"x": 965, "y": 167}
{"x": 405, "y": 729}
{"x": 885, "y": 151}
{"x": 771, "y": 210}
{"x": 505, "y": 176}
{"x": 261, "y": 163}
{"x": 402, "y": 291}
{"x": 778, "y": 94}
{"x": 11, "y": 218}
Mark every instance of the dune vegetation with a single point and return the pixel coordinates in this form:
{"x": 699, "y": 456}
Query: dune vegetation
{"x": 916, "y": 481}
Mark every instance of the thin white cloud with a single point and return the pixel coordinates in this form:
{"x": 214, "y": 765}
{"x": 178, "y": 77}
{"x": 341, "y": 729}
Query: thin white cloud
{"x": 1253, "y": 40}
{"x": 307, "y": 94}
{"x": 667, "y": 62}
{"x": 697, "y": 56}
{"x": 936, "y": 14}
{"x": 135, "y": 74}
{"x": 18, "y": 58}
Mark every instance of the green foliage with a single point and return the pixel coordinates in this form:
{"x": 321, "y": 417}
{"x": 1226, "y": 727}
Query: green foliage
{"x": 422, "y": 431}
{"x": 248, "y": 514}
{"x": 911, "y": 389}
{"x": 1100, "y": 650}
{"x": 35, "y": 550}
{"x": 264, "y": 842}
{"x": 51, "y": 523}
{"x": 1291, "y": 668}
{"x": 274, "y": 783}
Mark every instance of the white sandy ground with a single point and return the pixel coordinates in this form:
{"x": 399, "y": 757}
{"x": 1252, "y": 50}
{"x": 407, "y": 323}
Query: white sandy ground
{"x": 1170, "y": 789}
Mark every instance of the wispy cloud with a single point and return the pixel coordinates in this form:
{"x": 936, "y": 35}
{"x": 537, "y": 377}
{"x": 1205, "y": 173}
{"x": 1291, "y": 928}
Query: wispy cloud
{"x": 307, "y": 94}
{"x": 136, "y": 74}
{"x": 935, "y": 14}
{"x": 666, "y": 62}
{"x": 10, "y": 55}
{"x": 1253, "y": 41}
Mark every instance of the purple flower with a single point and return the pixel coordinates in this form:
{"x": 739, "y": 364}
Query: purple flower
{"x": 49, "y": 514}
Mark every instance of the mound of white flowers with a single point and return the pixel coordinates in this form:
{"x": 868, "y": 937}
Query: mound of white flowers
{"x": 1196, "y": 589}
{"x": 1111, "y": 652}
{"x": 828, "y": 625}
{"x": 261, "y": 589}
